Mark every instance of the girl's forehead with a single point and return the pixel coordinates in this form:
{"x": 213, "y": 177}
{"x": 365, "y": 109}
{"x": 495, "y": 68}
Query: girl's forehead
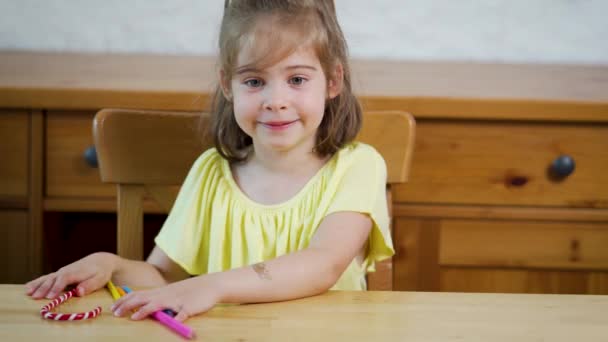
{"x": 250, "y": 58}
{"x": 272, "y": 40}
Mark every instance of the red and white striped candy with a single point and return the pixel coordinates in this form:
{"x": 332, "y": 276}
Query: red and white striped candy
{"x": 46, "y": 313}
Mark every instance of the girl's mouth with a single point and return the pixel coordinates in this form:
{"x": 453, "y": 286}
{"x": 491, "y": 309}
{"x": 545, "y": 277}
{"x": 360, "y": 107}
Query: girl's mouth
{"x": 278, "y": 125}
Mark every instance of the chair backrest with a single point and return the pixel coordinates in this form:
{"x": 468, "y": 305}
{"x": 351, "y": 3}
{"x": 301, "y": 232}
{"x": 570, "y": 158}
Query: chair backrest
{"x": 145, "y": 152}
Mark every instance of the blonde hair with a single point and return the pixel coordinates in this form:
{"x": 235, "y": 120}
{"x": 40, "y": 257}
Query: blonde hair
{"x": 293, "y": 23}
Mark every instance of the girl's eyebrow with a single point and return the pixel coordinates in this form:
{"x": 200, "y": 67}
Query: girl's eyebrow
{"x": 301, "y": 66}
{"x": 246, "y": 69}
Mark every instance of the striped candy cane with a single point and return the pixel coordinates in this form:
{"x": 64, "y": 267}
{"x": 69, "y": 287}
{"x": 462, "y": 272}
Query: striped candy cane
{"x": 46, "y": 313}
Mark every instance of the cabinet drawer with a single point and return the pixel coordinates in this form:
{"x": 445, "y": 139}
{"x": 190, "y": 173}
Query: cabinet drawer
{"x": 68, "y": 136}
{"x": 507, "y": 163}
{"x": 524, "y": 244}
{"x": 501, "y": 280}
{"x": 14, "y": 151}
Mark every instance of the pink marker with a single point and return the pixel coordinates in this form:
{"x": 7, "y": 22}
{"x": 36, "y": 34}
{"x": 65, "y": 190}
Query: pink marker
{"x": 169, "y": 321}
{"x": 173, "y": 324}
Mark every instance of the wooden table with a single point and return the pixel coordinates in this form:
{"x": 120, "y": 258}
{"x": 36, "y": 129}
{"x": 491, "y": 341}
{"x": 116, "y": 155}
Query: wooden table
{"x": 335, "y": 316}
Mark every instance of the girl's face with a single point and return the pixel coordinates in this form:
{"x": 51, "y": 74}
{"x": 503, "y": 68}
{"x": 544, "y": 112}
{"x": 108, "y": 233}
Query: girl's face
{"x": 280, "y": 107}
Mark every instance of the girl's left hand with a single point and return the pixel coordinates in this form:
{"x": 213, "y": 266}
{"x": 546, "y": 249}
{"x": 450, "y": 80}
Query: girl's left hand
{"x": 187, "y": 297}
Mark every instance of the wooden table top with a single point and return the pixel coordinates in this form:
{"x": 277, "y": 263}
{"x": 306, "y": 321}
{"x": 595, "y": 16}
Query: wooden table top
{"x": 334, "y": 316}
{"x": 44, "y": 80}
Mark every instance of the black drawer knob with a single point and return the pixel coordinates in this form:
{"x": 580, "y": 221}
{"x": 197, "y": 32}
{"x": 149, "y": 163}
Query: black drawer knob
{"x": 562, "y": 167}
{"x": 90, "y": 156}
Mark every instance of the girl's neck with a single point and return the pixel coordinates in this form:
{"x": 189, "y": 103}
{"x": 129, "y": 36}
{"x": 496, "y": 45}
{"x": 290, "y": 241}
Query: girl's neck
{"x": 299, "y": 161}
{"x": 271, "y": 177}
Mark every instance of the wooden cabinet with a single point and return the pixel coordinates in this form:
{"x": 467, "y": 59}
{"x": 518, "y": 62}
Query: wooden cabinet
{"x": 482, "y": 210}
{"x": 68, "y": 173}
{"x": 72, "y": 181}
{"x": 523, "y": 256}
{"x": 532, "y": 244}
{"x": 500, "y": 255}
{"x": 507, "y": 163}
{"x": 14, "y": 186}
{"x": 14, "y": 135}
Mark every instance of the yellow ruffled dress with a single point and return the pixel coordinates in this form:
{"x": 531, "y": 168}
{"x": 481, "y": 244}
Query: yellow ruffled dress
{"x": 213, "y": 226}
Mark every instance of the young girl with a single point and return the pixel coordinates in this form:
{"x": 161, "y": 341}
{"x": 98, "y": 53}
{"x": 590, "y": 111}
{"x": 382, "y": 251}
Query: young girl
{"x": 286, "y": 205}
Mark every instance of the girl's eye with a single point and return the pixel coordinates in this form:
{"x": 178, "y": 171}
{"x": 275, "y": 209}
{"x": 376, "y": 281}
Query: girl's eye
{"x": 297, "y": 80}
{"x": 253, "y": 83}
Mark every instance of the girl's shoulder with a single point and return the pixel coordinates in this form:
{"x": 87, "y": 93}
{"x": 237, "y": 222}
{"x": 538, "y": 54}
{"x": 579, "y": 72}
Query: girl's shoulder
{"x": 357, "y": 160}
{"x": 359, "y": 153}
{"x": 210, "y": 159}
{"x": 207, "y": 167}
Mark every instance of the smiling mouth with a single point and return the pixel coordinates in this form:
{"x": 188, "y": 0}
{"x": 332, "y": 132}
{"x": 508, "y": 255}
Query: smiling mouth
{"x": 277, "y": 125}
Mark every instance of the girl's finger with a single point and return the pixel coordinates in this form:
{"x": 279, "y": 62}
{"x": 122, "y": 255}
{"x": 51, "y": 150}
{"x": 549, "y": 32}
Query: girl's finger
{"x": 91, "y": 284}
{"x": 129, "y": 303}
{"x": 43, "y": 290}
{"x": 182, "y": 315}
{"x": 114, "y": 308}
{"x": 145, "y": 310}
{"x": 61, "y": 281}
{"x": 33, "y": 285}
{"x": 118, "y": 303}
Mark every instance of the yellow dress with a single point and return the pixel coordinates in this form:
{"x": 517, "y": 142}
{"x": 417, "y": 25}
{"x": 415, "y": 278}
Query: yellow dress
{"x": 213, "y": 226}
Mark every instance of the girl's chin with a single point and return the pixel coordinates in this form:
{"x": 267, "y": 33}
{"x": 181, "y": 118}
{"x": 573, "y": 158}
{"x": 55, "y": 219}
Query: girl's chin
{"x": 277, "y": 146}
{"x": 282, "y": 143}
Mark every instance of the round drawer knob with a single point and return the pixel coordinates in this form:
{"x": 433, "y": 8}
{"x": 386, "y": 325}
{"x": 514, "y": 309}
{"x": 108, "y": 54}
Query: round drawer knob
{"x": 90, "y": 156}
{"x": 562, "y": 167}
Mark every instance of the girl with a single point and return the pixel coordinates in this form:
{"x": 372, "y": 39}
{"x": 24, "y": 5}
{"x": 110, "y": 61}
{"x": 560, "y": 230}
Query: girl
{"x": 286, "y": 205}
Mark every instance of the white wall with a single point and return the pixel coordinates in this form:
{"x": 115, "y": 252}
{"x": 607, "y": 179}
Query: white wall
{"x": 546, "y": 31}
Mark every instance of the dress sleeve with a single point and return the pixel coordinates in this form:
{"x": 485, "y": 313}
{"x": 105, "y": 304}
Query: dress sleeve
{"x": 362, "y": 189}
{"x": 183, "y": 233}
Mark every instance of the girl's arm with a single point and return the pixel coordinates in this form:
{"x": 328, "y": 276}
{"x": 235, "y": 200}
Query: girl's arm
{"x": 308, "y": 272}
{"x": 94, "y": 271}
{"x": 311, "y": 271}
{"x": 157, "y": 271}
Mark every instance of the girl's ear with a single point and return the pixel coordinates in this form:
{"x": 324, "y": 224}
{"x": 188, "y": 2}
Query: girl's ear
{"x": 225, "y": 85}
{"x": 336, "y": 82}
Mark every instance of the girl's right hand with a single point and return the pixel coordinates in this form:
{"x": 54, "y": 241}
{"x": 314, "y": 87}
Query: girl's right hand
{"x": 89, "y": 274}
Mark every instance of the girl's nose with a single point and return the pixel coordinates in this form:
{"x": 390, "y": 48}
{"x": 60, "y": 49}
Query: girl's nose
{"x": 275, "y": 99}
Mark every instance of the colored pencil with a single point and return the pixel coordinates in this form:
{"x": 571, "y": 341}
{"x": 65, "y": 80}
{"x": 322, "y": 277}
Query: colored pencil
{"x": 169, "y": 321}
{"x": 113, "y": 290}
{"x": 120, "y": 291}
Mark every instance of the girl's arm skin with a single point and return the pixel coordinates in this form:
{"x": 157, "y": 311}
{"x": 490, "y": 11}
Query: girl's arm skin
{"x": 308, "y": 272}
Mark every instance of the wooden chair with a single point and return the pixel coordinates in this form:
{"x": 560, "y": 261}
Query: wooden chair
{"x": 146, "y": 152}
